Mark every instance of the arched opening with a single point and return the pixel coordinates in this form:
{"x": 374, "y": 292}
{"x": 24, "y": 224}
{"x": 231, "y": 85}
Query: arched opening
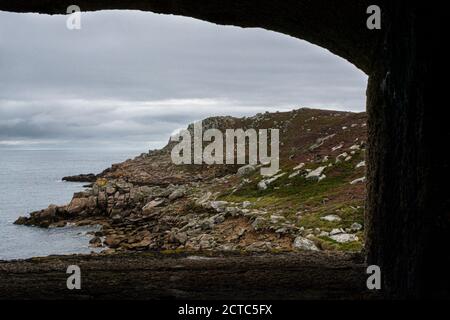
{"x": 407, "y": 219}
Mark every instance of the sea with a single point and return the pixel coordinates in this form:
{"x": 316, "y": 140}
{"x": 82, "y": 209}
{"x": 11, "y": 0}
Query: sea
{"x": 30, "y": 180}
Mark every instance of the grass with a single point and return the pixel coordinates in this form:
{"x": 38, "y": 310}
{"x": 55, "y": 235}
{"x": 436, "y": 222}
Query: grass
{"x": 306, "y": 201}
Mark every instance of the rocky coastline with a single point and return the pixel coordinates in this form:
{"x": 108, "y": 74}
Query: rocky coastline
{"x": 315, "y": 202}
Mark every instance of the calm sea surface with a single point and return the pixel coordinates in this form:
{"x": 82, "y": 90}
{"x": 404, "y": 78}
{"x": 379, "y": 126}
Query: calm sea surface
{"x": 30, "y": 180}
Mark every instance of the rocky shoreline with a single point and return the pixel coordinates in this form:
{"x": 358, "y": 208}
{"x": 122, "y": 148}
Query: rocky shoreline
{"x": 315, "y": 201}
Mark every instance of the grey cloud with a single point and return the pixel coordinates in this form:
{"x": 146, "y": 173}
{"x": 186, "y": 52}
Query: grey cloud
{"x": 131, "y": 78}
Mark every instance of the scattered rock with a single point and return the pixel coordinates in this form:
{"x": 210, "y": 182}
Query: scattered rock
{"x": 294, "y": 174}
{"x": 262, "y": 185}
{"x": 178, "y": 193}
{"x": 77, "y": 205}
{"x": 363, "y": 179}
{"x": 246, "y": 204}
{"x": 315, "y": 174}
{"x": 219, "y": 206}
{"x": 361, "y": 164}
{"x": 301, "y": 165}
{"x": 148, "y": 208}
{"x": 113, "y": 241}
{"x": 246, "y": 170}
{"x": 324, "y": 234}
{"x": 331, "y": 218}
{"x": 181, "y": 237}
{"x": 341, "y": 156}
{"x": 356, "y": 226}
{"x": 304, "y": 244}
{"x": 320, "y": 142}
{"x": 344, "y": 237}
{"x": 259, "y": 223}
{"x": 336, "y": 231}
{"x": 260, "y": 246}
{"x": 95, "y": 242}
{"x": 117, "y": 218}
{"x": 81, "y": 178}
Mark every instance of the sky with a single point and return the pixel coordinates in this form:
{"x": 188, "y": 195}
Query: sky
{"x": 129, "y": 79}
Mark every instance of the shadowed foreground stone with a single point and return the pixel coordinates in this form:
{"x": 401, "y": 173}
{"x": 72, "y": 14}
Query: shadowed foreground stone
{"x": 305, "y": 275}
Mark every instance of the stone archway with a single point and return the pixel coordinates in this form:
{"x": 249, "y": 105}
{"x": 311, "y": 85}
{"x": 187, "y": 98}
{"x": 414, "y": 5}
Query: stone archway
{"x": 408, "y": 211}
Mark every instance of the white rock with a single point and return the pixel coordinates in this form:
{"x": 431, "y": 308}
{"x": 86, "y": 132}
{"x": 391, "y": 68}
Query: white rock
{"x": 176, "y": 194}
{"x": 344, "y": 237}
{"x": 337, "y": 147}
{"x": 152, "y": 204}
{"x": 348, "y": 158}
{"x": 292, "y": 175}
{"x": 321, "y": 177}
{"x": 258, "y": 223}
{"x": 276, "y": 218}
{"x": 336, "y": 231}
{"x": 233, "y": 211}
{"x": 246, "y": 204}
{"x": 361, "y": 164}
{"x": 356, "y": 226}
{"x": 355, "y": 147}
{"x": 315, "y": 174}
{"x": 304, "y": 244}
{"x": 331, "y": 218}
{"x": 301, "y": 165}
{"x": 363, "y": 179}
{"x": 219, "y": 206}
{"x": 245, "y": 170}
{"x": 262, "y": 185}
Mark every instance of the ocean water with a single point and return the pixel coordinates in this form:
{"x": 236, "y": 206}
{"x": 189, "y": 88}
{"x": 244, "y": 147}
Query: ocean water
{"x": 30, "y": 180}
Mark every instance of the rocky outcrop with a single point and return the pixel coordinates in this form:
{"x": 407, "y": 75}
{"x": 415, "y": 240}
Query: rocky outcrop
{"x": 90, "y": 177}
{"x": 232, "y": 208}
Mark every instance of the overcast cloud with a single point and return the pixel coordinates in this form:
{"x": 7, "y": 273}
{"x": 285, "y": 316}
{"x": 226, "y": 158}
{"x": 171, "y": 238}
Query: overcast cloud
{"x": 128, "y": 79}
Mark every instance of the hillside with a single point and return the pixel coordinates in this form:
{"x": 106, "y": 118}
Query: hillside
{"x": 314, "y": 202}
